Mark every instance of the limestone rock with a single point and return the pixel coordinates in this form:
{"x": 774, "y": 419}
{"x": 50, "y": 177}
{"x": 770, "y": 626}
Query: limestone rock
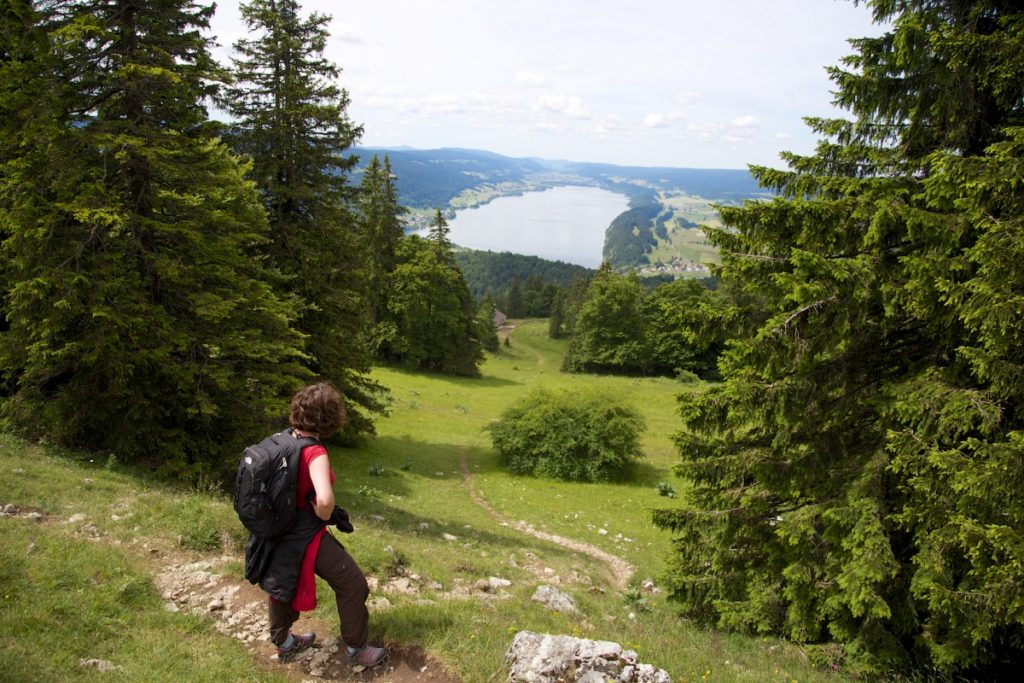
{"x": 378, "y": 604}
{"x": 542, "y": 658}
{"x": 101, "y": 664}
{"x": 555, "y": 599}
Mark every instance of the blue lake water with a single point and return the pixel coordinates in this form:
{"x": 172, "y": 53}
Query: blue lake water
{"x": 560, "y": 224}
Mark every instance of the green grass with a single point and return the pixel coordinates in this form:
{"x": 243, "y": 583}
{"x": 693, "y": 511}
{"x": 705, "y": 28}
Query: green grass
{"x": 63, "y": 599}
{"x": 404, "y": 490}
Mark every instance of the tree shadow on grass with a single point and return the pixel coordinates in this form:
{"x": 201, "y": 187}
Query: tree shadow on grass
{"x": 484, "y": 381}
{"x": 468, "y": 540}
{"x": 372, "y": 496}
{"x": 405, "y": 458}
{"x": 407, "y": 454}
{"x": 645, "y": 475}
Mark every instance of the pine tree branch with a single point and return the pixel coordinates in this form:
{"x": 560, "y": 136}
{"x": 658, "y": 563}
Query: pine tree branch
{"x": 806, "y": 309}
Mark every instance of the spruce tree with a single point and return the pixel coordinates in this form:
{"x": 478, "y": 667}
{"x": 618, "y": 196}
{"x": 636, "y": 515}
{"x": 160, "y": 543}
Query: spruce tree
{"x": 438, "y": 233}
{"x": 437, "y": 326}
{"x": 574, "y": 296}
{"x": 686, "y": 326}
{"x": 515, "y": 298}
{"x": 556, "y": 322}
{"x": 381, "y": 227}
{"x": 139, "y": 319}
{"x": 22, "y": 49}
{"x": 857, "y": 477}
{"x": 291, "y": 119}
{"x": 609, "y": 331}
{"x": 487, "y": 333}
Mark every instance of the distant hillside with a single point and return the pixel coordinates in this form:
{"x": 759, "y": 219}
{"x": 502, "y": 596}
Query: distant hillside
{"x": 433, "y": 178}
{"x": 717, "y": 184}
{"x": 655, "y": 235}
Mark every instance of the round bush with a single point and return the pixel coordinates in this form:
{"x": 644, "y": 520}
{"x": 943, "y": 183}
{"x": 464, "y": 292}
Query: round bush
{"x": 571, "y": 436}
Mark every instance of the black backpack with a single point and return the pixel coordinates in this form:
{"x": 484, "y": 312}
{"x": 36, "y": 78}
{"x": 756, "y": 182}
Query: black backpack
{"x": 268, "y": 478}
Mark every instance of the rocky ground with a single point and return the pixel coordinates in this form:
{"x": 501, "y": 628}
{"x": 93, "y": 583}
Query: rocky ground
{"x": 204, "y": 585}
{"x": 239, "y": 610}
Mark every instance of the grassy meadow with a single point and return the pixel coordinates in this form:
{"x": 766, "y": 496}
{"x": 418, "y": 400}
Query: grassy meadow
{"x": 687, "y": 243}
{"x": 413, "y": 513}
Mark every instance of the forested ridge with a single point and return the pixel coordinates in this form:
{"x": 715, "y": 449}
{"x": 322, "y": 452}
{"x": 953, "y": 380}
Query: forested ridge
{"x": 493, "y": 273}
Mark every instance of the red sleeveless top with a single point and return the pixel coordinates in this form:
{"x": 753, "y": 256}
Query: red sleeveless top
{"x": 305, "y": 591}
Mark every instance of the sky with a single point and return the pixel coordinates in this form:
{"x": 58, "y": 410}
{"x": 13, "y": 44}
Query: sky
{"x": 681, "y": 83}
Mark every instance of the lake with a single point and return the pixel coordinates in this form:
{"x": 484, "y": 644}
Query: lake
{"x": 560, "y": 224}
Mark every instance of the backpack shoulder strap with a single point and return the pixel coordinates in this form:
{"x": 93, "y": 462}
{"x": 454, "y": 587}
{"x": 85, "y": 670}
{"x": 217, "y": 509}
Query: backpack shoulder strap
{"x": 297, "y": 443}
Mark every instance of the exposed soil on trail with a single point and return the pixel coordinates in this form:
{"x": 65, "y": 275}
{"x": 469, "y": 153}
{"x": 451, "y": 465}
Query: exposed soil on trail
{"x": 206, "y": 585}
{"x": 239, "y": 609}
{"x": 621, "y": 571}
{"x": 507, "y": 329}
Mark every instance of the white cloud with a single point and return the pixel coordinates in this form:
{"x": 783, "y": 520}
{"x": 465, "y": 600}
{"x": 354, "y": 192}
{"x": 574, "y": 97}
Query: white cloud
{"x": 745, "y": 122}
{"x": 427, "y": 105}
{"x": 570, "y": 106}
{"x": 546, "y": 126}
{"x": 480, "y": 104}
{"x": 531, "y": 79}
{"x": 346, "y": 33}
{"x": 706, "y": 131}
{"x": 688, "y": 98}
{"x": 783, "y": 136}
{"x": 611, "y": 124}
{"x": 655, "y": 120}
{"x": 740, "y": 129}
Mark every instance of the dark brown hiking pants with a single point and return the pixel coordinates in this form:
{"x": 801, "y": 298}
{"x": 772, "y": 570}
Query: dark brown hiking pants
{"x": 335, "y": 566}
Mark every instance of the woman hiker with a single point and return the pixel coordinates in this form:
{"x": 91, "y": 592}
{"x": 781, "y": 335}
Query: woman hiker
{"x": 307, "y": 548}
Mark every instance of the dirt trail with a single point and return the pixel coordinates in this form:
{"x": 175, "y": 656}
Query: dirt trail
{"x": 507, "y": 329}
{"x": 208, "y": 585}
{"x": 239, "y": 610}
{"x": 621, "y": 571}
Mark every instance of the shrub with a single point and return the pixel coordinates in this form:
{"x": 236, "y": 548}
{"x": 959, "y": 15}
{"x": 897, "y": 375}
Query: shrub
{"x": 571, "y": 436}
{"x": 666, "y": 489}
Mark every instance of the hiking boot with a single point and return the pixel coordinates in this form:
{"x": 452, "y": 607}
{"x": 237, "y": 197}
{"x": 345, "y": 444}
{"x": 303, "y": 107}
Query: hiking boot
{"x": 301, "y": 643}
{"x": 369, "y": 656}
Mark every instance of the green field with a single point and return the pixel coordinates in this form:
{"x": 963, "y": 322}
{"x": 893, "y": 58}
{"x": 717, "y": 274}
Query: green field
{"x": 684, "y": 244}
{"x": 416, "y": 513}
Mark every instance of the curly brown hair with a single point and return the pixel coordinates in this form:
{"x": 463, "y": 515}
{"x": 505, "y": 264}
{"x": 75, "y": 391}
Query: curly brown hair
{"x": 318, "y": 408}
